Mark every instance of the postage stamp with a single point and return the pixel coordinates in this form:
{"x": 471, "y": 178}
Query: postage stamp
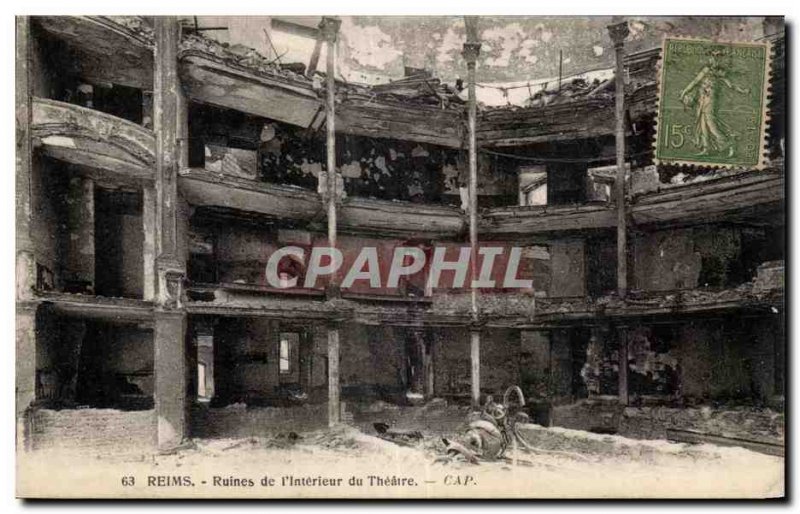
{"x": 712, "y": 103}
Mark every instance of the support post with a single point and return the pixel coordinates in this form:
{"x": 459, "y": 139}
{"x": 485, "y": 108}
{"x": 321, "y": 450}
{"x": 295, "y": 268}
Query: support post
{"x": 149, "y": 243}
{"x": 427, "y": 365}
{"x": 170, "y": 317}
{"x": 329, "y": 29}
{"x": 470, "y": 52}
{"x": 334, "y": 414}
{"x": 622, "y": 336}
{"x": 618, "y": 32}
{"x": 475, "y": 366}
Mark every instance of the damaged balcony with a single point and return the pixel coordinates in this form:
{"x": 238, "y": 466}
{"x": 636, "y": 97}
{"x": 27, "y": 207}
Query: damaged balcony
{"x": 97, "y": 62}
{"x": 742, "y": 195}
{"x": 106, "y": 144}
{"x": 104, "y": 49}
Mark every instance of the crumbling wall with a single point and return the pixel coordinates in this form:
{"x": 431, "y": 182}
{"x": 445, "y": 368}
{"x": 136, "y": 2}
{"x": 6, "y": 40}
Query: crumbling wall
{"x": 371, "y": 167}
{"x": 534, "y": 364}
{"x": 80, "y": 362}
{"x": 652, "y": 364}
{"x": 562, "y": 362}
{"x": 119, "y": 243}
{"x": 714, "y": 376}
{"x": 708, "y": 256}
{"x": 48, "y": 191}
{"x": 452, "y": 368}
{"x": 397, "y": 170}
{"x": 116, "y": 364}
{"x": 568, "y": 268}
{"x": 372, "y": 362}
{"x": 665, "y": 260}
{"x": 50, "y": 66}
{"x": 737, "y": 361}
{"x": 762, "y": 425}
{"x": 600, "y": 371}
{"x": 246, "y": 363}
{"x": 242, "y": 253}
{"x": 652, "y": 422}
{"x": 78, "y": 236}
{"x": 101, "y": 430}
{"x": 238, "y": 420}
{"x": 451, "y": 357}
{"x": 58, "y": 348}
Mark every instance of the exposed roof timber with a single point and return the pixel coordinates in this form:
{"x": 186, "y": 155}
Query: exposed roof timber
{"x": 86, "y": 137}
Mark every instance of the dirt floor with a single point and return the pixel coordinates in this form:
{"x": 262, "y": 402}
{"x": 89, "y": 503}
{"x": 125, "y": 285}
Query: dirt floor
{"x": 346, "y": 462}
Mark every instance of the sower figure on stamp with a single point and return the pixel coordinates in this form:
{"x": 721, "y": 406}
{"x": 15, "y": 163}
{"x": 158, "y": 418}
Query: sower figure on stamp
{"x": 702, "y": 94}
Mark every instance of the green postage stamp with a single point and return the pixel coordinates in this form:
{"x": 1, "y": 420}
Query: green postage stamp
{"x": 712, "y": 103}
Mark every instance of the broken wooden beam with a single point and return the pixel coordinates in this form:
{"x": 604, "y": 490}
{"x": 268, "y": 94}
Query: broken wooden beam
{"x": 693, "y": 437}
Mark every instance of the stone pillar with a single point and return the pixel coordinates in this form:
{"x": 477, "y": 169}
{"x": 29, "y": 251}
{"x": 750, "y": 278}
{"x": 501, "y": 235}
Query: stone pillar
{"x": 25, "y": 260}
{"x": 170, "y": 378}
{"x": 170, "y": 267}
{"x": 619, "y": 32}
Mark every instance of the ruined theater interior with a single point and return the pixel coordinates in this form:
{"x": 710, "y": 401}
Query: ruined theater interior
{"x": 162, "y": 164}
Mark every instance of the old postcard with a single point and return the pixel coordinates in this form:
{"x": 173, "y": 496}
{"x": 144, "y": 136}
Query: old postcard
{"x": 400, "y": 257}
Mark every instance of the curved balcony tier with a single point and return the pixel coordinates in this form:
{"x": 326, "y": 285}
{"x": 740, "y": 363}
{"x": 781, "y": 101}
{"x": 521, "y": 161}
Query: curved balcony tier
{"x": 403, "y": 219}
{"x": 207, "y": 189}
{"x": 117, "y": 49}
{"x": 515, "y": 222}
{"x": 97, "y": 307}
{"x": 361, "y": 115}
{"x": 90, "y": 138}
{"x": 498, "y": 309}
{"x": 212, "y": 74}
{"x": 356, "y": 215}
{"x": 745, "y": 195}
